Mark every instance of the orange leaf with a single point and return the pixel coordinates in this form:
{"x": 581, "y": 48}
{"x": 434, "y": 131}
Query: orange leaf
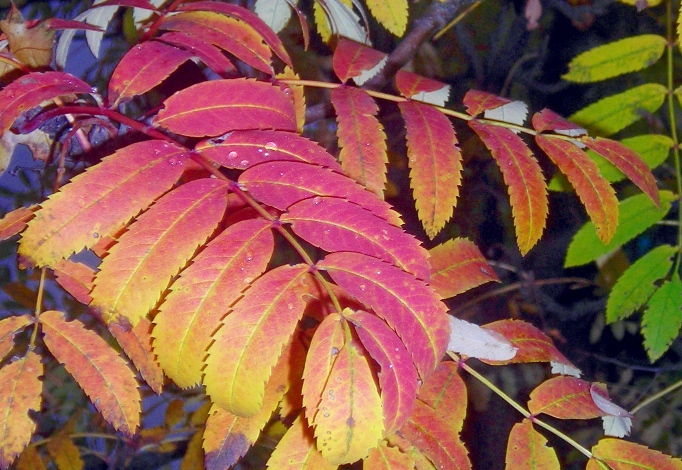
{"x": 361, "y": 138}
{"x": 76, "y": 278}
{"x": 102, "y": 374}
{"x": 564, "y": 398}
{"x": 457, "y": 266}
{"x": 139, "y": 267}
{"x": 297, "y": 450}
{"x": 349, "y": 421}
{"x": 421, "y": 462}
{"x": 30, "y": 459}
{"x": 624, "y": 455}
{"x": 9, "y": 327}
{"x": 446, "y": 393}
{"x": 252, "y": 338}
{"x": 97, "y": 202}
{"x": 15, "y": 221}
{"x": 384, "y": 457}
{"x": 137, "y": 344}
{"x": 202, "y": 295}
{"x": 435, "y": 164}
{"x": 594, "y": 190}
{"x": 64, "y": 452}
{"x": 523, "y": 176}
{"x": 527, "y": 449}
{"x": 20, "y": 389}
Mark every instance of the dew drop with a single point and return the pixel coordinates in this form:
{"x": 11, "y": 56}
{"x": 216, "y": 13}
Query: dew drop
{"x": 363, "y": 287}
{"x": 232, "y": 154}
{"x": 271, "y": 146}
{"x": 378, "y": 272}
{"x": 172, "y": 161}
{"x": 326, "y": 415}
{"x": 290, "y": 306}
{"x": 390, "y": 366}
{"x": 317, "y": 200}
{"x": 260, "y": 150}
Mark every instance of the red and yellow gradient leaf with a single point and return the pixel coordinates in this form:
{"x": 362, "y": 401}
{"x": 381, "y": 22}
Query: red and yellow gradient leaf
{"x": 297, "y": 93}
{"x": 398, "y": 378}
{"x": 297, "y": 450}
{"x": 594, "y": 190}
{"x": 99, "y": 370}
{"x": 20, "y": 389}
{"x": 435, "y": 164}
{"x": 421, "y": 462}
{"x": 349, "y": 421}
{"x": 140, "y": 266}
{"x": 564, "y": 398}
{"x": 627, "y": 161}
{"x": 527, "y": 449}
{"x": 523, "y": 176}
{"x": 435, "y": 438}
{"x": 549, "y": 120}
{"x": 144, "y": 67}
{"x": 29, "y": 91}
{"x": 446, "y": 393}
{"x": 426, "y": 90}
{"x": 209, "y": 54}
{"x": 230, "y": 34}
{"x": 15, "y": 221}
{"x": 265, "y": 183}
{"x": 351, "y": 59}
{"x": 457, "y": 266}
{"x": 137, "y": 345}
{"x": 361, "y": 138}
{"x": 624, "y": 455}
{"x": 334, "y": 224}
{"x": 477, "y": 101}
{"x": 244, "y": 149}
{"x": 328, "y": 340}
{"x": 408, "y": 305}
{"x": 219, "y": 106}
{"x": 99, "y": 201}
{"x": 203, "y": 294}
{"x": 384, "y": 457}
{"x": 76, "y": 278}
{"x": 9, "y": 327}
{"x": 252, "y": 338}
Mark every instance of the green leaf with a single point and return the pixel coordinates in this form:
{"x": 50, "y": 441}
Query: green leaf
{"x": 637, "y": 284}
{"x": 663, "y": 318}
{"x": 614, "y": 113}
{"x": 616, "y": 58}
{"x": 636, "y": 214}
{"x": 653, "y": 148}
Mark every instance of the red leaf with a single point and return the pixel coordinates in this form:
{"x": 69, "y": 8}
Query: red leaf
{"x": 102, "y": 374}
{"x": 101, "y": 200}
{"x": 564, "y": 398}
{"x": 59, "y": 23}
{"x": 627, "y": 161}
{"x": 244, "y": 149}
{"x": 76, "y": 278}
{"x": 351, "y": 59}
{"x": 267, "y": 184}
{"x": 335, "y": 224}
{"x": 446, "y": 393}
{"x": 478, "y": 101}
{"x": 523, "y": 176}
{"x": 29, "y": 91}
{"x": 435, "y": 164}
{"x": 361, "y": 138}
{"x": 9, "y": 327}
{"x": 624, "y": 455}
{"x": 220, "y": 106}
{"x": 457, "y": 266}
{"x": 594, "y": 190}
{"x": 15, "y": 221}
{"x": 142, "y": 68}
{"x": 203, "y": 294}
{"x": 527, "y": 449}
{"x": 408, "y": 305}
{"x": 137, "y": 345}
{"x": 398, "y": 378}
{"x": 209, "y": 54}
{"x": 549, "y": 120}
{"x": 410, "y": 84}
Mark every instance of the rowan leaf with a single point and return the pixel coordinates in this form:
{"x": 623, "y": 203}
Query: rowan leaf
{"x": 421, "y": 462}
{"x": 203, "y": 294}
{"x": 474, "y": 341}
{"x": 212, "y": 56}
{"x": 564, "y": 398}
{"x": 616, "y": 58}
{"x": 98, "y": 202}
{"x": 638, "y": 283}
{"x": 636, "y": 214}
{"x": 144, "y": 67}
{"x": 30, "y": 42}
{"x": 354, "y": 60}
{"x": 623, "y": 455}
{"x": 549, "y": 120}
{"x": 9, "y": 327}
{"x": 252, "y": 337}
{"x": 337, "y": 17}
{"x": 335, "y": 224}
{"x": 75, "y": 278}
{"x": 265, "y": 183}
{"x": 418, "y": 88}
{"x": 297, "y": 93}
{"x": 457, "y": 266}
{"x": 20, "y": 389}
{"x": 392, "y": 14}
{"x": 435, "y": 164}
{"x": 30, "y": 459}
{"x": 361, "y": 138}
{"x": 477, "y": 101}
{"x": 398, "y": 380}
{"x": 275, "y": 13}
{"x": 63, "y": 451}
{"x": 614, "y": 113}
{"x": 384, "y": 457}
{"x": 99, "y": 370}
{"x": 434, "y": 437}
{"x": 523, "y": 176}
{"x": 408, "y": 305}
{"x": 446, "y": 393}
{"x": 349, "y": 421}
{"x": 297, "y": 450}
{"x": 662, "y": 318}
{"x": 527, "y": 449}
{"x": 594, "y": 191}
{"x": 137, "y": 345}
{"x": 15, "y": 221}
{"x": 160, "y": 242}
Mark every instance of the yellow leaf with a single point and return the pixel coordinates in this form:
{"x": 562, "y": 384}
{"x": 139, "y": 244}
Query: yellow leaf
{"x": 392, "y": 14}
{"x": 297, "y": 450}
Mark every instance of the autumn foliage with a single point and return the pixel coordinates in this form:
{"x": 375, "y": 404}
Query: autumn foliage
{"x": 241, "y": 257}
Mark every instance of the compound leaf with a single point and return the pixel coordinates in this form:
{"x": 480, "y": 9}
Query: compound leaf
{"x": 662, "y": 318}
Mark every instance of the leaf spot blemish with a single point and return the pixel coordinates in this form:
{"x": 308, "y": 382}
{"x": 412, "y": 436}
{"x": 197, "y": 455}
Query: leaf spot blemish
{"x": 335, "y": 351}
